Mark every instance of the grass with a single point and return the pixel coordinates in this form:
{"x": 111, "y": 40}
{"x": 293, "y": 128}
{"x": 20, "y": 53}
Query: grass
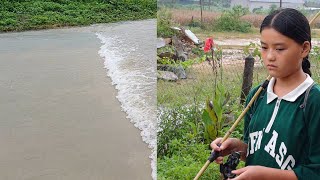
{"x": 42, "y": 14}
{"x": 200, "y": 84}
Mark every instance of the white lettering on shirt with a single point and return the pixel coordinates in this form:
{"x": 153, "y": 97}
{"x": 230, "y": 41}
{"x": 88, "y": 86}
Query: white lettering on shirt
{"x": 255, "y": 141}
{"x": 258, "y": 144}
{"x": 280, "y": 155}
{"x": 252, "y": 141}
{"x": 285, "y": 165}
{"x": 271, "y": 146}
{"x": 282, "y": 152}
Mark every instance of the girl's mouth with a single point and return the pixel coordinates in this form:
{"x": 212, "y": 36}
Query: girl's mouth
{"x": 271, "y": 66}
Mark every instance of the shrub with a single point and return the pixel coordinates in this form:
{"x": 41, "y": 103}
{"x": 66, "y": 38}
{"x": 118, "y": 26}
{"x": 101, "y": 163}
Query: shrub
{"x": 164, "y": 23}
{"x": 272, "y": 8}
{"x": 180, "y": 124}
{"x": 230, "y": 20}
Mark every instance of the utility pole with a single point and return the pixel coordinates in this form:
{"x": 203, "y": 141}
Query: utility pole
{"x": 280, "y": 4}
{"x": 201, "y": 11}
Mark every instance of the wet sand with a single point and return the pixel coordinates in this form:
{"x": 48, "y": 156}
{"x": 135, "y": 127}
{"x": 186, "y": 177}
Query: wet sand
{"x": 59, "y": 117}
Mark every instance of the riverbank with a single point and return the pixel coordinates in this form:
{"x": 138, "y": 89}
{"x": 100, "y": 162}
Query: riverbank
{"x": 48, "y": 14}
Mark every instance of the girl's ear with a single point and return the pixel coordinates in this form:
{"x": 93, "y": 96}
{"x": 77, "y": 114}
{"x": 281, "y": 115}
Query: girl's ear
{"x": 306, "y": 47}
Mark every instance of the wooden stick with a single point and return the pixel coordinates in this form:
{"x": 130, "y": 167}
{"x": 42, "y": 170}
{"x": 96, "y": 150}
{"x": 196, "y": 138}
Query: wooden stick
{"x": 256, "y": 95}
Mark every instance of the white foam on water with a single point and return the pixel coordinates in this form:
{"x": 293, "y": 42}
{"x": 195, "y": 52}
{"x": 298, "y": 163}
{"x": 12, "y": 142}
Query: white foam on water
{"x": 135, "y": 85}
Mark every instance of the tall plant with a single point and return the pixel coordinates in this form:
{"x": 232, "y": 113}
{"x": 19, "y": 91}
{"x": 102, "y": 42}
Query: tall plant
{"x": 212, "y": 115}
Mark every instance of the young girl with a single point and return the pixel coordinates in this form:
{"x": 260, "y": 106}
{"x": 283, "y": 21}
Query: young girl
{"x": 282, "y": 128}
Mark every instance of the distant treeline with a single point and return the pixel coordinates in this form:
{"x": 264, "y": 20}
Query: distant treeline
{"x": 20, "y": 15}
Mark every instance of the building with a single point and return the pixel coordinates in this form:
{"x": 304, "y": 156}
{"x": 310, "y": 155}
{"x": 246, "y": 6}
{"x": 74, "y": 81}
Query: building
{"x": 266, "y": 4}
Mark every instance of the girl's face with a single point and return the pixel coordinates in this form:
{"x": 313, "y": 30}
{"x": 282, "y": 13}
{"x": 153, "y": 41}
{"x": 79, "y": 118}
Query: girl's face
{"x": 281, "y": 55}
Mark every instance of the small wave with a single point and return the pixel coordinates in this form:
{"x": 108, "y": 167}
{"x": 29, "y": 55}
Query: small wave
{"x": 136, "y": 86}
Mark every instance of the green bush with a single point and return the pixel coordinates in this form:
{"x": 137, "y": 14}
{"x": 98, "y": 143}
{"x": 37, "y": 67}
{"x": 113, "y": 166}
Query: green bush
{"x": 230, "y": 21}
{"x": 181, "y": 123}
{"x": 164, "y": 24}
{"x": 181, "y": 152}
{"x": 272, "y": 8}
{"x": 181, "y": 148}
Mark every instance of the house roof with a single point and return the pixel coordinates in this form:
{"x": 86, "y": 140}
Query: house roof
{"x": 278, "y": 1}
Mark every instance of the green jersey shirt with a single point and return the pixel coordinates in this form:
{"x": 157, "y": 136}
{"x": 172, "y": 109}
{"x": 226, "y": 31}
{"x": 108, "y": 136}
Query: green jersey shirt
{"x": 282, "y": 134}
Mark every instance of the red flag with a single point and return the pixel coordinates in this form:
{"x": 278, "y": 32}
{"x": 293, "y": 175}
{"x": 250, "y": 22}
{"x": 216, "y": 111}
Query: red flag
{"x": 208, "y": 44}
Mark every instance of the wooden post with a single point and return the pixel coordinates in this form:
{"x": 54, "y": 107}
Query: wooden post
{"x": 247, "y": 78}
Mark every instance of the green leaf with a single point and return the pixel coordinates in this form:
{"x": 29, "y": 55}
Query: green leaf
{"x": 209, "y": 126}
{"x": 211, "y": 111}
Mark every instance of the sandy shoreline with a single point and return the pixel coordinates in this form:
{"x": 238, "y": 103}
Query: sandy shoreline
{"x": 59, "y": 117}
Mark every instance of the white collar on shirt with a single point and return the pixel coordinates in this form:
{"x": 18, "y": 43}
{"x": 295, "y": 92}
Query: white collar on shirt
{"x": 291, "y": 96}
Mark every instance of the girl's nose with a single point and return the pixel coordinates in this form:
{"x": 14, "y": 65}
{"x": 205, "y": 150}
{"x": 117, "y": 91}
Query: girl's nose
{"x": 270, "y": 55}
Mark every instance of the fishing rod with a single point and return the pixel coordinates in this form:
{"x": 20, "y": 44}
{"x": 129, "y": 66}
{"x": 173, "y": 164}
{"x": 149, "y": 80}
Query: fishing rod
{"x": 215, "y": 154}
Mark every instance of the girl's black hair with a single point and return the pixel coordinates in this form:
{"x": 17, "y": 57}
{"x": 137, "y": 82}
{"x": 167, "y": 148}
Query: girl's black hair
{"x": 293, "y": 24}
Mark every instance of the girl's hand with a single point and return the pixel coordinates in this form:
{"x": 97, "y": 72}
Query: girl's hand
{"x": 250, "y": 173}
{"x": 263, "y": 173}
{"x": 228, "y": 146}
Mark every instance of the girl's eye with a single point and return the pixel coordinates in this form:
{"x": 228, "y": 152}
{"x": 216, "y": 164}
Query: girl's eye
{"x": 280, "y": 49}
{"x": 264, "y": 48}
